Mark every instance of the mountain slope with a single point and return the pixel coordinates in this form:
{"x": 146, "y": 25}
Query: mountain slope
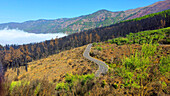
{"x": 132, "y": 68}
{"x": 85, "y": 22}
{"x": 55, "y": 67}
{"x": 13, "y": 56}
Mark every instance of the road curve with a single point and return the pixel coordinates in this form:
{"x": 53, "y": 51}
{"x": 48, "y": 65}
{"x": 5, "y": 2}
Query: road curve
{"x": 103, "y": 67}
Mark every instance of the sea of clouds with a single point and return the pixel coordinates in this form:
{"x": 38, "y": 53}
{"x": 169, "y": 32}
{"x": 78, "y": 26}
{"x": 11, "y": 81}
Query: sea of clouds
{"x": 16, "y": 36}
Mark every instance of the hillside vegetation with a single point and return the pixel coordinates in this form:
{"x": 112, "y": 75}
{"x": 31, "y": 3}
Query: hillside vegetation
{"x": 135, "y": 68}
{"x": 161, "y": 36}
{"x": 138, "y": 63}
{"x": 100, "y": 18}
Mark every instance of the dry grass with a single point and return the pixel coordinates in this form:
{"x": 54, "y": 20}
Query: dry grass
{"x": 54, "y": 67}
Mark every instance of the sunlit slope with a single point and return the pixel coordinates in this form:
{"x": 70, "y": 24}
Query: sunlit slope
{"x": 138, "y": 64}
{"x": 55, "y": 67}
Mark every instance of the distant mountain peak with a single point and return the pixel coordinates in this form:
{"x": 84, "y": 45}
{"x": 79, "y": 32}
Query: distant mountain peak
{"x": 99, "y": 18}
{"x": 102, "y": 11}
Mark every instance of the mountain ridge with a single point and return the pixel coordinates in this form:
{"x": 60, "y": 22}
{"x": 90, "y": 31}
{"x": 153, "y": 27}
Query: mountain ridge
{"x": 99, "y": 18}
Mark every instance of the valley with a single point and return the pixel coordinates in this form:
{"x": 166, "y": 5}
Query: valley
{"x": 9, "y": 37}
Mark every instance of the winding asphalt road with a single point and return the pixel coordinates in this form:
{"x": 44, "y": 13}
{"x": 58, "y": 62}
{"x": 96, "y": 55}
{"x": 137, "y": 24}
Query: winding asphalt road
{"x": 103, "y": 67}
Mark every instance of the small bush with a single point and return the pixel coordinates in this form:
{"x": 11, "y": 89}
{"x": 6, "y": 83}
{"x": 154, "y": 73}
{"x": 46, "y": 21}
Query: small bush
{"x": 30, "y": 88}
{"x": 103, "y": 83}
{"x": 115, "y": 85}
{"x": 99, "y": 48}
{"x": 94, "y": 44}
{"x": 164, "y": 65}
{"x": 37, "y": 89}
{"x": 72, "y": 80}
{"x": 85, "y": 78}
{"x": 112, "y": 65}
{"x": 62, "y": 85}
{"x": 99, "y": 43}
{"x": 110, "y": 41}
{"x": 14, "y": 84}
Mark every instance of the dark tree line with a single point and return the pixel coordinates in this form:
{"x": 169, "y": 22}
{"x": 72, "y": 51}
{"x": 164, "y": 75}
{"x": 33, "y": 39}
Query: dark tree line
{"x": 15, "y": 56}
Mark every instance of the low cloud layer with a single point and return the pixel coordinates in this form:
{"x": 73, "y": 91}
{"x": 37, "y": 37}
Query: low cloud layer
{"x": 15, "y": 36}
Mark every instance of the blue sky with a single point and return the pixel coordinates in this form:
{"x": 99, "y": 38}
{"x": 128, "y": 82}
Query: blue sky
{"x": 23, "y": 10}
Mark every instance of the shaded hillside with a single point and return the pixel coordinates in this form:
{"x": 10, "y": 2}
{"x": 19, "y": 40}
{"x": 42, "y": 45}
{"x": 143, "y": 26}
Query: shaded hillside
{"x": 98, "y": 19}
{"x": 16, "y": 56}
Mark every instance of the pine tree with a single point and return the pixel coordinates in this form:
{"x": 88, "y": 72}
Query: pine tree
{"x": 38, "y": 52}
{"x": 51, "y": 47}
{"x": 45, "y": 49}
{"x": 56, "y": 45}
{"x": 97, "y": 37}
{"x": 87, "y": 38}
{"x": 76, "y": 42}
{"x": 90, "y": 39}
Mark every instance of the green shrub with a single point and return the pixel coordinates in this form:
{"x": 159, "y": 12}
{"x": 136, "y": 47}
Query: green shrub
{"x": 164, "y": 65}
{"x": 14, "y": 84}
{"x": 112, "y": 65}
{"x": 37, "y": 89}
{"x": 110, "y": 40}
{"x": 103, "y": 83}
{"x": 30, "y": 88}
{"x": 164, "y": 84}
{"x": 148, "y": 49}
{"x": 115, "y": 85}
{"x": 62, "y": 85}
{"x": 119, "y": 40}
{"x": 94, "y": 44}
{"x": 99, "y": 43}
{"x": 85, "y": 78}
{"x": 99, "y": 48}
{"x": 135, "y": 85}
{"x": 71, "y": 80}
